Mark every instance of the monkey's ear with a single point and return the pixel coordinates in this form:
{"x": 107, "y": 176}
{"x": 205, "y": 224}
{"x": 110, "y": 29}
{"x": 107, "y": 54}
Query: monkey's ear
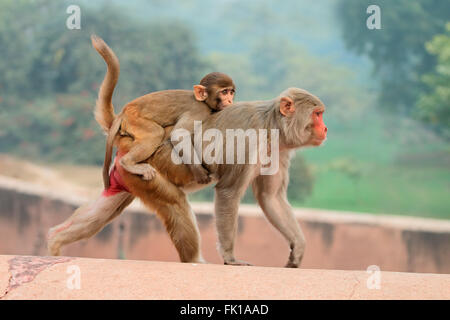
{"x": 200, "y": 92}
{"x": 287, "y": 107}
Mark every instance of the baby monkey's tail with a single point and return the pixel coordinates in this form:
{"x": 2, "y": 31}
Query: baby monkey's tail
{"x": 104, "y": 109}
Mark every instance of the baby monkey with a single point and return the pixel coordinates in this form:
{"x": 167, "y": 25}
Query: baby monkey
{"x": 145, "y": 118}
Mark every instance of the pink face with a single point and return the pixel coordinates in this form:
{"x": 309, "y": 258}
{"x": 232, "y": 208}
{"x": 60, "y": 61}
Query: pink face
{"x": 225, "y": 97}
{"x": 319, "y": 128}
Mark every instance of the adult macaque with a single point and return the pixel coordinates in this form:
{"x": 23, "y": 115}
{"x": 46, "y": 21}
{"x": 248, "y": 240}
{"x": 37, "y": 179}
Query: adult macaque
{"x": 295, "y": 113}
{"x": 145, "y": 118}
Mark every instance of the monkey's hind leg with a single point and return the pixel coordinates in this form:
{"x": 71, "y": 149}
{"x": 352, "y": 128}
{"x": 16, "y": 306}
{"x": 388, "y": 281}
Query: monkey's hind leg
{"x": 172, "y": 207}
{"x": 87, "y": 220}
{"x": 148, "y": 136}
{"x": 182, "y": 228}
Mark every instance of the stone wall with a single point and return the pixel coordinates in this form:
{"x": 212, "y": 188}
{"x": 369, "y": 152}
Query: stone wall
{"x": 335, "y": 240}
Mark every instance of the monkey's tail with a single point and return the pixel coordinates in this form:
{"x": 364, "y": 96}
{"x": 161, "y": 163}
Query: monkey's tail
{"x": 104, "y": 109}
{"x": 109, "y": 150}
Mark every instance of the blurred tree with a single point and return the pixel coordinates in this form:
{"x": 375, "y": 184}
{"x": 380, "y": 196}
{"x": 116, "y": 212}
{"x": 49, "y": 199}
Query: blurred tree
{"x": 45, "y": 66}
{"x": 301, "y": 180}
{"x": 18, "y": 20}
{"x": 397, "y": 50}
{"x": 57, "y": 128}
{"x": 434, "y": 105}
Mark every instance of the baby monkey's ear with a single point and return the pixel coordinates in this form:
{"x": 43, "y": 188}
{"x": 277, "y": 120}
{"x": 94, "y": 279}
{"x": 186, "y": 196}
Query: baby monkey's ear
{"x": 200, "y": 92}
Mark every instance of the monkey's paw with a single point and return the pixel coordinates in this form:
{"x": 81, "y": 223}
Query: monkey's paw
{"x": 201, "y": 175}
{"x": 149, "y": 173}
{"x": 237, "y": 263}
{"x": 291, "y": 264}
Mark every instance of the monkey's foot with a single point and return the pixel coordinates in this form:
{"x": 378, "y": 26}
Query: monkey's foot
{"x": 291, "y": 264}
{"x": 149, "y": 173}
{"x": 237, "y": 263}
{"x": 53, "y": 249}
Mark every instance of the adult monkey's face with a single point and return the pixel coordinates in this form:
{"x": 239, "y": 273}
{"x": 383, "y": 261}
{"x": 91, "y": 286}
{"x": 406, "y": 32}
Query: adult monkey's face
{"x": 303, "y": 118}
{"x": 318, "y": 126}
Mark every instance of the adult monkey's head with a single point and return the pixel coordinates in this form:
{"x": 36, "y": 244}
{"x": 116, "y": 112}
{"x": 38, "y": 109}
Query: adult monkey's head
{"x": 216, "y": 89}
{"x": 301, "y": 118}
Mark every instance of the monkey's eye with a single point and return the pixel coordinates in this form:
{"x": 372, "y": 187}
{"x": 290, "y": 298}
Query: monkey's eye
{"x": 226, "y": 91}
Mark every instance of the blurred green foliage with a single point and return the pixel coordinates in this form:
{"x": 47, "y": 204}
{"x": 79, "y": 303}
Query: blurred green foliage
{"x": 376, "y": 159}
{"x": 50, "y": 75}
{"x": 434, "y": 105}
{"x": 397, "y": 51}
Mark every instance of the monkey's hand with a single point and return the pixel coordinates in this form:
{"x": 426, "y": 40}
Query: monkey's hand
{"x": 201, "y": 175}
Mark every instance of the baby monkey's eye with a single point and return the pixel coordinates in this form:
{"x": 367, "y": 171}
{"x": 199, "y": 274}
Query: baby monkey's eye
{"x": 226, "y": 91}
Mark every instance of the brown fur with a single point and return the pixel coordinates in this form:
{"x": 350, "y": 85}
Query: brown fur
{"x": 104, "y": 109}
{"x": 292, "y": 113}
{"x": 296, "y": 130}
{"x": 145, "y": 118}
{"x": 295, "y": 113}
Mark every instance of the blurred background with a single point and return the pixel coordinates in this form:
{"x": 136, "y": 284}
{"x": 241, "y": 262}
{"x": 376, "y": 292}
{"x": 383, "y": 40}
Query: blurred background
{"x": 387, "y": 91}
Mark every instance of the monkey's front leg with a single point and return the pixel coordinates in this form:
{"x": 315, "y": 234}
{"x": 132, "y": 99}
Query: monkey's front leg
{"x": 270, "y": 191}
{"x": 226, "y": 208}
{"x": 298, "y": 242}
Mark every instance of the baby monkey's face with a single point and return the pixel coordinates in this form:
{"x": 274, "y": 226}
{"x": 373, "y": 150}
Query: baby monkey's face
{"x": 225, "y": 97}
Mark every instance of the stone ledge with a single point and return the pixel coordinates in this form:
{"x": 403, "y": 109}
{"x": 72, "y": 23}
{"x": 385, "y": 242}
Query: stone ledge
{"x": 32, "y": 277}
